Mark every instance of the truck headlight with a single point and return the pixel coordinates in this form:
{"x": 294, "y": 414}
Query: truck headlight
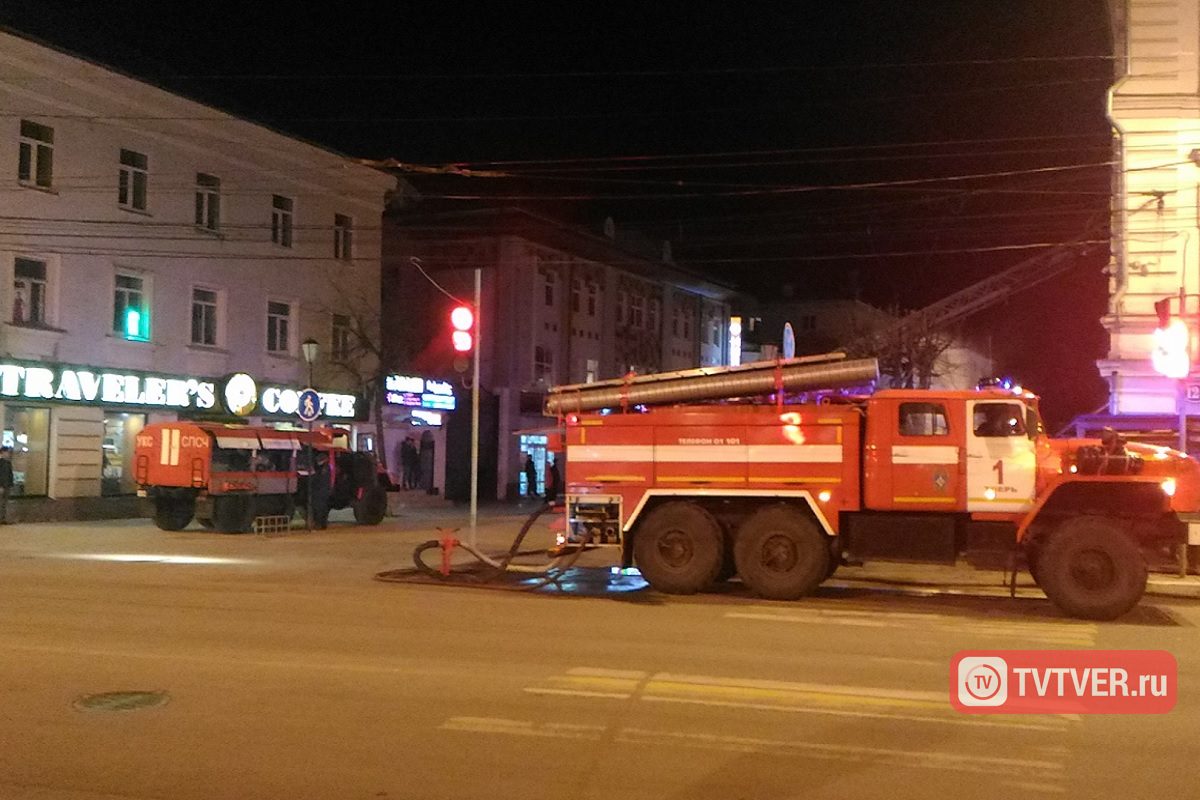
{"x": 1168, "y": 487}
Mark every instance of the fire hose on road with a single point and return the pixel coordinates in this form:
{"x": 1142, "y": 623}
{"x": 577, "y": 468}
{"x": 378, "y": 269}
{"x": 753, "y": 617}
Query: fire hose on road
{"x": 493, "y": 569}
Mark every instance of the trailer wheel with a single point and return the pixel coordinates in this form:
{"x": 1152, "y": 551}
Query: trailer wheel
{"x": 1090, "y": 568}
{"x": 371, "y": 508}
{"x": 678, "y": 548}
{"x": 233, "y": 513}
{"x": 781, "y": 554}
{"x": 173, "y": 513}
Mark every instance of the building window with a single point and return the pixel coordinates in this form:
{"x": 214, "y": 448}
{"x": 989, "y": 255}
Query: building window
{"x": 808, "y": 322}
{"x": 29, "y": 292}
{"x": 208, "y": 202}
{"x": 548, "y": 285}
{"x": 923, "y": 419}
{"x": 593, "y": 370}
{"x": 204, "y": 317}
{"x": 637, "y": 311}
{"x": 116, "y": 453}
{"x": 36, "y": 160}
{"x": 131, "y": 312}
{"x": 675, "y": 322}
{"x": 279, "y": 321}
{"x": 687, "y": 325}
{"x": 592, "y": 288}
{"x": 652, "y": 315}
{"x": 576, "y": 294}
{"x": 543, "y": 364}
{"x": 716, "y": 333}
{"x": 27, "y": 432}
{"x": 622, "y": 305}
{"x": 343, "y": 237}
{"x": 282, "y": 209}
{"x": 131, "y": 181}
{"x": 343, "y": 337}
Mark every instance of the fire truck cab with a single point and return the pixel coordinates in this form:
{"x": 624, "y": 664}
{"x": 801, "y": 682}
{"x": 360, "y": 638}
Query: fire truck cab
{"x": 225, "y": 476}
{"x": 782, "y": 494}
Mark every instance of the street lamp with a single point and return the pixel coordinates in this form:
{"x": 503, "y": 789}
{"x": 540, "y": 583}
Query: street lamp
{"x": 310, "y": 348}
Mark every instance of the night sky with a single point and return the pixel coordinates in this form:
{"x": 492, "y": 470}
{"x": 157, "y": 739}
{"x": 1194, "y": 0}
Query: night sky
{"x": 736, "y": 130}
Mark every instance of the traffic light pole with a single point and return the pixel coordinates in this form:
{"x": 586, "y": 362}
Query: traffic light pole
{"x": 475, "y": 409}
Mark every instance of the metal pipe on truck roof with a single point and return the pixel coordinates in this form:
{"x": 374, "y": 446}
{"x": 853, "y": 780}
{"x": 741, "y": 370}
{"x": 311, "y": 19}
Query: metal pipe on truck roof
{"x": 739, "y": 382}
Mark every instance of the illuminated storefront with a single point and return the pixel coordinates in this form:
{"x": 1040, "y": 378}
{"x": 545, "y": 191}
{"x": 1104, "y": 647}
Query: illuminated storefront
{"x": 72, "y": 427}
{"x": 415, "y": 409}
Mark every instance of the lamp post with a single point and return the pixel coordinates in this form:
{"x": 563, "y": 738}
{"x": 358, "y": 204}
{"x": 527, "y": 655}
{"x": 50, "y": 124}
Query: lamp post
{"x": 310, "y": 348}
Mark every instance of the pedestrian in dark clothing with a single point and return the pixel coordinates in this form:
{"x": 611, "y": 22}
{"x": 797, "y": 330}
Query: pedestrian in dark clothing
{"x": 553, "y": 482}
{"x": 409, "y": 462}
{"x": 318, "y": 484}
{"x": 6, "y": 482}
{"x": 530, "y": 476}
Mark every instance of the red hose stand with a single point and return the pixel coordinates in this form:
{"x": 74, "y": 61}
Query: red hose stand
{"x": 449, "y": 542}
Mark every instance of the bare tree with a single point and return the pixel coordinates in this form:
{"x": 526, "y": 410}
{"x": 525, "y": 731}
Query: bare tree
{"x": 358, "y": 350}
{"x": 908, "y": 351}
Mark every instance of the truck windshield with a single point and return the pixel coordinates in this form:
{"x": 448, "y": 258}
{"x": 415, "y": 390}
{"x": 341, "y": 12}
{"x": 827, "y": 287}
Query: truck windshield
{"x": 999, "y": 419}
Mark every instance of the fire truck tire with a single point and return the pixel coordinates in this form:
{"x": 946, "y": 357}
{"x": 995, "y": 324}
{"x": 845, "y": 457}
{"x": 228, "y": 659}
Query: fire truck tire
{"x": 371, "y": 508}
{"x": 1090, "y": 568}
{"x": 233, "y": 513}
{"x": 678, "y": 548}
{"x": 781, "y": 554}
{"x": 173, "y": 513}
{"x": 205, "y": 523}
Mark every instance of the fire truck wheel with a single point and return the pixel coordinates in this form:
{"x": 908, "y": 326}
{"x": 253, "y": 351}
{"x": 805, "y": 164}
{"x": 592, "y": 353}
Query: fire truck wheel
{"x": 173, "y": 513}
{"x": 205, "y": 523}
{"x": 1091, "y": 569}
{"x": 678, "y": 548}
{"x": 781, "y": 554}
{"x": 371, "y": 508}
{"x": 233, "y": 513}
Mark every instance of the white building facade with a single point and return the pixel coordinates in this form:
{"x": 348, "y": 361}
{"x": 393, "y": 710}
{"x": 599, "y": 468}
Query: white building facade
{"x": 1154, "y": 107}
{"x": 150, "y": 246}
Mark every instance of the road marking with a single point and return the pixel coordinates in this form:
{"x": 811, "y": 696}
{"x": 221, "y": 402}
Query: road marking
{"x": 598, "y": 672}
{"x": 771, "y": 695}
{"x": 578, "y": 693}
{"x": 973, "y": 722}
{"x": 925, "y": 759}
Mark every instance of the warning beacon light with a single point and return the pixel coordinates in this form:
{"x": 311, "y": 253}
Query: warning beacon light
{"x": 462, "y": 318}
{"x": 1170, "y": 353}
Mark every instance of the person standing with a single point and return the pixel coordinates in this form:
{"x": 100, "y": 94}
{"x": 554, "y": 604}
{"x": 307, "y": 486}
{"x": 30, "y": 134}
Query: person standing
{"x": 6, "y": 482}
{"x": 530, "y": 476}
{"x": 408, "y": 462}
{"x": 553, "y": 481}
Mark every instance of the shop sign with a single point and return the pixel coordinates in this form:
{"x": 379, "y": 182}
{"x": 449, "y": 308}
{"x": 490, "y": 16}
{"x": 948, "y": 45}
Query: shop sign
{"x": 414, "y": 392}
{"x": 86, "y": 385}
{"x": 282, "y": 401}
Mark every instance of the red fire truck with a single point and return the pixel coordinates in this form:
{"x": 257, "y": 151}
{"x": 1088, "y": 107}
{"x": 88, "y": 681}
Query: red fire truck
{"x": 227, "y": 475}
{"x": 781, "y": 494}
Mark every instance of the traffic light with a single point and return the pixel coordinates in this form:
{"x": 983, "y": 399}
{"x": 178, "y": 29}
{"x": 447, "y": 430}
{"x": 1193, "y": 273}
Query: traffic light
{"x": 1170, "y": 355}
{"x": 462, "y": 320}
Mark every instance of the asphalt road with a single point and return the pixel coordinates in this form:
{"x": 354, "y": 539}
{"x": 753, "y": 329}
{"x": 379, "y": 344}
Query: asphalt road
{"x": 288, "y": 672}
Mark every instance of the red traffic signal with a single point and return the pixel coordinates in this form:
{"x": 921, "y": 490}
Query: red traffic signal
{"x": 462, "y": 337}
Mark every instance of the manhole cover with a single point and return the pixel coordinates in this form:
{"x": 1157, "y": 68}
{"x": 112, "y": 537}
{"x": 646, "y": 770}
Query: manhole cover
{"x": 120, "y": 701}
